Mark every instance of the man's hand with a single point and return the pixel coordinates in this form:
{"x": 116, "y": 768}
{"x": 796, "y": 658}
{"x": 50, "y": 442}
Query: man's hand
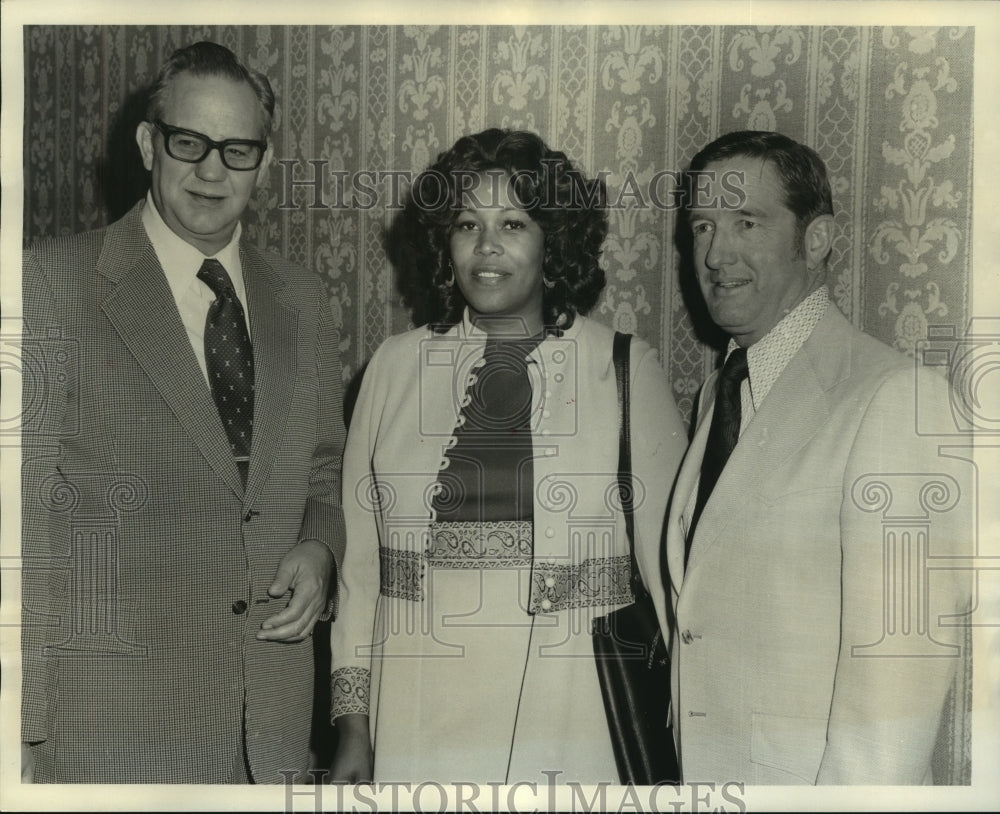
{"x": 305, "y": 571}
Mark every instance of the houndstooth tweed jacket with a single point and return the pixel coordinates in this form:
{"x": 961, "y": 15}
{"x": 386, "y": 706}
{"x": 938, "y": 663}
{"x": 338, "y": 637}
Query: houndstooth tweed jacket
{"x": 146, "y": 563}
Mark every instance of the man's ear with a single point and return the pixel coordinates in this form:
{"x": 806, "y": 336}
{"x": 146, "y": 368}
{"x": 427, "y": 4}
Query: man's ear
{"x": 144, "y": 138}
{"x": 265, "y": 165}
{"x": 818, "y": 241}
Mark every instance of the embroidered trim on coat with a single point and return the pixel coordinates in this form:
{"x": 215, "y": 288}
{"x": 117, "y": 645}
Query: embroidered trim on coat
{"x": 498, "y": 544}
{"x": 601, "y": 581}
{"x": 350, "y": 691}
{"x": 401, "y": 574}
{"x": 508, "y": 544}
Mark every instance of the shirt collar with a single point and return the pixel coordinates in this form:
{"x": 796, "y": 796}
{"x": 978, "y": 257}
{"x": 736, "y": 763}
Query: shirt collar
{"x": 181, "y": 261}
{"x": 768, "y": 357}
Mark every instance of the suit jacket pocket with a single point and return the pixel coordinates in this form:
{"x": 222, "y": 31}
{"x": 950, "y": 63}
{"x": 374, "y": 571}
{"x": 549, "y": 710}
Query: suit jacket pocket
{"x": 789, "y": 743}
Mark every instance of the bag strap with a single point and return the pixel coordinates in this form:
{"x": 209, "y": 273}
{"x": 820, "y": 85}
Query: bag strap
{"x": 620, "y": 355}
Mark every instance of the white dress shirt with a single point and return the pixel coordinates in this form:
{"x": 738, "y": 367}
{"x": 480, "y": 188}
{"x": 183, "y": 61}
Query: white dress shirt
{"x": 180, "y": 262}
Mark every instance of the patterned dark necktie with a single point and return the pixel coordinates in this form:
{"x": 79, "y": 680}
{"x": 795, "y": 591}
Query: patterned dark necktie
{"x": 722, "y": 434}
{"x": 229, "y": 359}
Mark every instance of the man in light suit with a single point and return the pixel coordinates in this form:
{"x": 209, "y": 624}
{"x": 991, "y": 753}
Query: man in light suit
{"x": 181, "y": 472}
{"x": 810, "y": 642}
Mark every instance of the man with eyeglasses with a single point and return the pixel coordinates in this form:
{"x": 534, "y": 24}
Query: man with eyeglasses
{"x": 181, "y": 479}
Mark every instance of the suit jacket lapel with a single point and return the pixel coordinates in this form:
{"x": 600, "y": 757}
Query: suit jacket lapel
{"x": 143, "y": 312}
{"x": 687, "y": 482}
{"x": 793, "y": 412}
{"x": 273, "y": 329}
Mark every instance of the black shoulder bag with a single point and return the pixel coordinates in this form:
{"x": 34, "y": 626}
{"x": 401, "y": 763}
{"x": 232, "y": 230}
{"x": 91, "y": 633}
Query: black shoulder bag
{"x": 631, "y": 655}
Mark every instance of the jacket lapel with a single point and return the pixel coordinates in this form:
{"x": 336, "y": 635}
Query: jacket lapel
{"x": 273, "y": 329}
{"x": 793, "y": 412}
{"x": 687, "y": 482}
{"x": 142, "y": 310}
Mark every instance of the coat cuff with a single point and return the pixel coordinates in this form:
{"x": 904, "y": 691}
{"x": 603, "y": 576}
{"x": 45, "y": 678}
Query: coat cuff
{"x": 350, "y": 691}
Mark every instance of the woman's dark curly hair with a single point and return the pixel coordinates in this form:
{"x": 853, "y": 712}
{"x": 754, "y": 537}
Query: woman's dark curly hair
{"x": 569, "y": 208}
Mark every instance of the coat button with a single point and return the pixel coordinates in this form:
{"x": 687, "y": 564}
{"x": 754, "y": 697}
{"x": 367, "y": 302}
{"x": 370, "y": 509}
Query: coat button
{"x": 686, "y": 637}
{"x": 239, "y": 606}
{"x": 546, "y": 604}
{"x": 549, "y": 583}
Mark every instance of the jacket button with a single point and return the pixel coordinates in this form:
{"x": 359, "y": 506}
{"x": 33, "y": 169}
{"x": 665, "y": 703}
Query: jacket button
{"x": 239, "y": 606}
{"x": 686, "y": 637}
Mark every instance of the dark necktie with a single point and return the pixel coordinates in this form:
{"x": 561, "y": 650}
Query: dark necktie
{"x": 722, "y": 434}
{"x": 229, "y": 360}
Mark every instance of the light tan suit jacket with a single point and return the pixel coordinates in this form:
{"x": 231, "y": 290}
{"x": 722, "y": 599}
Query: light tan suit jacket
{"x": 814, "y": 642}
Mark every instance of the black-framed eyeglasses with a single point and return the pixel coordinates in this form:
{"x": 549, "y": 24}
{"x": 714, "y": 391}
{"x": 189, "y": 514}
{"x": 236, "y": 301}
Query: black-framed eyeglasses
{"x": 192, "y": 147}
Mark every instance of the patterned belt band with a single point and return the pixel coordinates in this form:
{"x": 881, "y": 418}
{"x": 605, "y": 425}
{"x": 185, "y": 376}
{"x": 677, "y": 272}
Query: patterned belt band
{"x": 597, "y": 581}
{"x": 499, "y": 544}
{"x": 507, "y": 545}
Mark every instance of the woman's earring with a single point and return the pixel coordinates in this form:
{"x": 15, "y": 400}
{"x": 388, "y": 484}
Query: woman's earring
{"x": 451, "y": 275}
{"x": 547, "y": 282}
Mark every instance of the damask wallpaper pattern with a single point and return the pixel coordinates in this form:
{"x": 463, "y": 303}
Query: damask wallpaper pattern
{"x": 359, "y": 108}
{"x": 889, "y": 110}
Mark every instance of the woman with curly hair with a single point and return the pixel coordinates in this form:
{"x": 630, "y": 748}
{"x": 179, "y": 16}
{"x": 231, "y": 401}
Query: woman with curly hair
{"x": 480, "y": 492}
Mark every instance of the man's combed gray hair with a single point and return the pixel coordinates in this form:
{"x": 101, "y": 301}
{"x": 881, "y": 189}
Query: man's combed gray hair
{"x": 210, "y": 59}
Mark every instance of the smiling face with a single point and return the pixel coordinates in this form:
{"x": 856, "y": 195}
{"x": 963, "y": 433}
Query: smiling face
{"x": 751, "y": 267}
{"x": 203, "y": 202}
{"x": 497, "y": 251}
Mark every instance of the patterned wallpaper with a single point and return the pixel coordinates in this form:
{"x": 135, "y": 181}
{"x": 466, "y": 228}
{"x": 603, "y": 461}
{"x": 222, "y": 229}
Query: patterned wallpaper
{"x": 889, "y": 110}
{"x": 360, "y": 108}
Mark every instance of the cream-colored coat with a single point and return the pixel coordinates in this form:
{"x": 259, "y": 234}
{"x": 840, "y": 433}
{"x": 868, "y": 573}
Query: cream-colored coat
{"x": 793, "y": 660}
{"x": 405, "y": 417}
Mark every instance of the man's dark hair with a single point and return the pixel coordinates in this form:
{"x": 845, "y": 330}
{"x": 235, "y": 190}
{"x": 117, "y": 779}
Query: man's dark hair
{"x": 569, "y": 208}
{"x": 799, "y": 168}
{"x": 209, "y": 59}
